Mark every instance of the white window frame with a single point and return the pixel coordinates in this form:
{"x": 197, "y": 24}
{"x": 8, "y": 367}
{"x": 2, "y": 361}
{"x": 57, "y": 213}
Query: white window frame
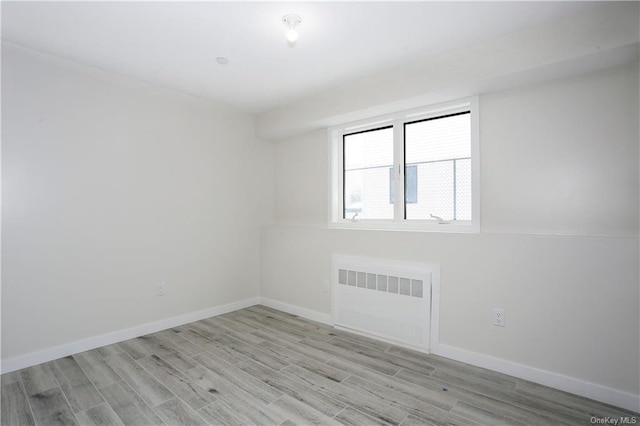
{"x": 398, "y": 120}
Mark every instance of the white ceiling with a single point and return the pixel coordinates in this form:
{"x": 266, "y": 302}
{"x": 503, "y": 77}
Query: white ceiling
{"x": 175, "y": 44}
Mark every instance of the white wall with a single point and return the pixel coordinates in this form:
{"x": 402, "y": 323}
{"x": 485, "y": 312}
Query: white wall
{"x": 559, "y": 243}
{"x": 559, "y": 158}
{"x": 109, "y": 186}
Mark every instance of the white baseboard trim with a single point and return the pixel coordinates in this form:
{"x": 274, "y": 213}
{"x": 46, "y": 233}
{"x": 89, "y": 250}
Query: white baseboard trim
{"x": 296, "y": 310}
{"x": 590, "y": 390}
{"x": 34, "y": 358}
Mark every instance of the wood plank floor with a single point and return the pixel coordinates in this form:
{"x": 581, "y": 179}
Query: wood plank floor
{"x": 265, "y": 367}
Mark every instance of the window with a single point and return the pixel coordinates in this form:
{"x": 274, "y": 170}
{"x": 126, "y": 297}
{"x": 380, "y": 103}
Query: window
{"x": 428, "y": 156}
{"x": 440, "y": 148}
{"x": 367, "y": 158}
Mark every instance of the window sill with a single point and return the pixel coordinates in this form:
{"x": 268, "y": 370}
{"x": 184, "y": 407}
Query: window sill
{"x": 426, "y": 226}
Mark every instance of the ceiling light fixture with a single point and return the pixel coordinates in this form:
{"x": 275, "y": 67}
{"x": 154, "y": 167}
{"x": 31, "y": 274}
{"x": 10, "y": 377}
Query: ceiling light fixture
{"x": 292, "y": 21}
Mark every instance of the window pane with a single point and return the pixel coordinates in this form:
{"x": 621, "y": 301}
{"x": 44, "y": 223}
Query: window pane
{"x": 463, "y": 189}
{"x": 435, "y": 192}
{"x": 367, "y": 159}
{"x": 441, "y": 150}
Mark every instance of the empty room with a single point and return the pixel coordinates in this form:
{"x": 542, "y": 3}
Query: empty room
{"x": 358, "y": 213}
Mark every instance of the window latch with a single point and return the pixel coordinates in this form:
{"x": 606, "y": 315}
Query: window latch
{"x": 440, "y": 220}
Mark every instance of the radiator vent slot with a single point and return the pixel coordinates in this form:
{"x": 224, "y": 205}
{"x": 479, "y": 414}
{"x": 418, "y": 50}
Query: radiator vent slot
{"x": 384, "y": 298}
{"x": 389, "y": 284}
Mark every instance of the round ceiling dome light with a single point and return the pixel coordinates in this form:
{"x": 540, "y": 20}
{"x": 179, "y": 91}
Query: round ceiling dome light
{"x": 222, "y": 60}
{"x": 292, "y": 21}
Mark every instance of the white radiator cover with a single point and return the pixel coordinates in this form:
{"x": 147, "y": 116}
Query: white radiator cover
{"x": 384, "y": 298}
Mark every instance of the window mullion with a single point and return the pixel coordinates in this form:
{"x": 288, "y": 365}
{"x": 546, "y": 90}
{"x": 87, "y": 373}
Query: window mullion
{"x": 399, "y": 171}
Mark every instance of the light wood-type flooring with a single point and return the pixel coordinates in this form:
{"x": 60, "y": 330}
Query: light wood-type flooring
{"x": 264, "y": 367}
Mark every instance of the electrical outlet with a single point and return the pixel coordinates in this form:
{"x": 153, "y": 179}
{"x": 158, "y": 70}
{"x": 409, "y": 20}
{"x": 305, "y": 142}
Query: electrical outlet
{"x": 498, "y": 317}
{"x": 160, "y": 288}
{"x": 325, "y": 286}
